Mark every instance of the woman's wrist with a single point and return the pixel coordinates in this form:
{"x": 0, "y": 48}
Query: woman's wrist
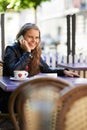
{"x": 29, "y": 50}
{"x": 65, "y": 71}
{"x": 30, "y": 55}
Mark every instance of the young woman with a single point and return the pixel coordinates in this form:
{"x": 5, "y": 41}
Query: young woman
{"x": 25, "y": 54}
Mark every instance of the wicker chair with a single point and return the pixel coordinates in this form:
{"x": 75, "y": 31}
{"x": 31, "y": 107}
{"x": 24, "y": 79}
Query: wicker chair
{"x": 72, "y": 109}
{"x": 1, "y": 68}
{"x": 36, "y": 102}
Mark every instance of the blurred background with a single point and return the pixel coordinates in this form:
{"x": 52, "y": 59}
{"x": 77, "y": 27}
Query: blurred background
{"x": 51, "y": 17}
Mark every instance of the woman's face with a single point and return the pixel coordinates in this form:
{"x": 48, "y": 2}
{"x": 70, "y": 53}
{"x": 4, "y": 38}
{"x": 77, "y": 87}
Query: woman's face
{"x": 32, "y": 37}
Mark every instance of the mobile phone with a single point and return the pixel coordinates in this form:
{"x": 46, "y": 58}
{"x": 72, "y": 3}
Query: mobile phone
{"x": 20, "y": 38}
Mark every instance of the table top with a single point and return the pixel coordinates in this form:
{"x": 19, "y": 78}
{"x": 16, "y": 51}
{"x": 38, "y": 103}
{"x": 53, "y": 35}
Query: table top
{"x": 10, "y": 85}
{"x": 75, "y": 80}
{"x": 75, "y": 66}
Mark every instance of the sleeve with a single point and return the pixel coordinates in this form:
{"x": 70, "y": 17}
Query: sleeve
{"x": 13, "y": 60}
{"x": 46, "y": 69}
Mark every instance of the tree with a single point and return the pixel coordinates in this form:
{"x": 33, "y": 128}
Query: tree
{"x": 3, "y": 5}
{"x": 18, "y": 5}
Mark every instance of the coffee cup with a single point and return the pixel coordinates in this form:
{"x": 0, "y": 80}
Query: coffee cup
{"x": 20, "y": 74}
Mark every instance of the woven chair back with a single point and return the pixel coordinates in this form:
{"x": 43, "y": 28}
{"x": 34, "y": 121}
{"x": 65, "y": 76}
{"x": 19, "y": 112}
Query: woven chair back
{"x": 36, "y": 103}
{"x": 1, "y": 68}
{"x": 72, "y": 109}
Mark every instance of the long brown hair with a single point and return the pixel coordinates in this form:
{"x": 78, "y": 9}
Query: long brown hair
{"x": 34, "y": 64}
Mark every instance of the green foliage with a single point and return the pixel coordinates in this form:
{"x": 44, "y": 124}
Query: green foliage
{"x": 37, "y": 2}
{"x": 3, "y": 5}
{"x": 17, "y": 5}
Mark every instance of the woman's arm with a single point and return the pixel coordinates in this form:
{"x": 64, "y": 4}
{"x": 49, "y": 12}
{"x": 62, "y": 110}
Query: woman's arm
{"x": 46, "y": 69}
{"x": 60, "y": 72}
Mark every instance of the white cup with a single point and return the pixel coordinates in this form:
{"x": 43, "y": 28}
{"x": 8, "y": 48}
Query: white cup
{"x": 20, "y": 74}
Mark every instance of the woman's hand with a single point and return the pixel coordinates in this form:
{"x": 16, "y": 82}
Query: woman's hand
{"x": 70, "y": 73}
{"x": 24, "y": 45}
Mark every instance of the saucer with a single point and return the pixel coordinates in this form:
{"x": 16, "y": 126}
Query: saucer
{"x": 19, "y": 79}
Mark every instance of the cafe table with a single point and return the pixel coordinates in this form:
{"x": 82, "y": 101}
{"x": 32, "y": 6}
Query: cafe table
{"x": 75, "y": 66}
{"x": 9, "y": 85}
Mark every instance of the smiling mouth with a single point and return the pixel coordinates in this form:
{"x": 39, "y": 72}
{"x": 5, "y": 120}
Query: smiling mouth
{"x": 32, "y": 45}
